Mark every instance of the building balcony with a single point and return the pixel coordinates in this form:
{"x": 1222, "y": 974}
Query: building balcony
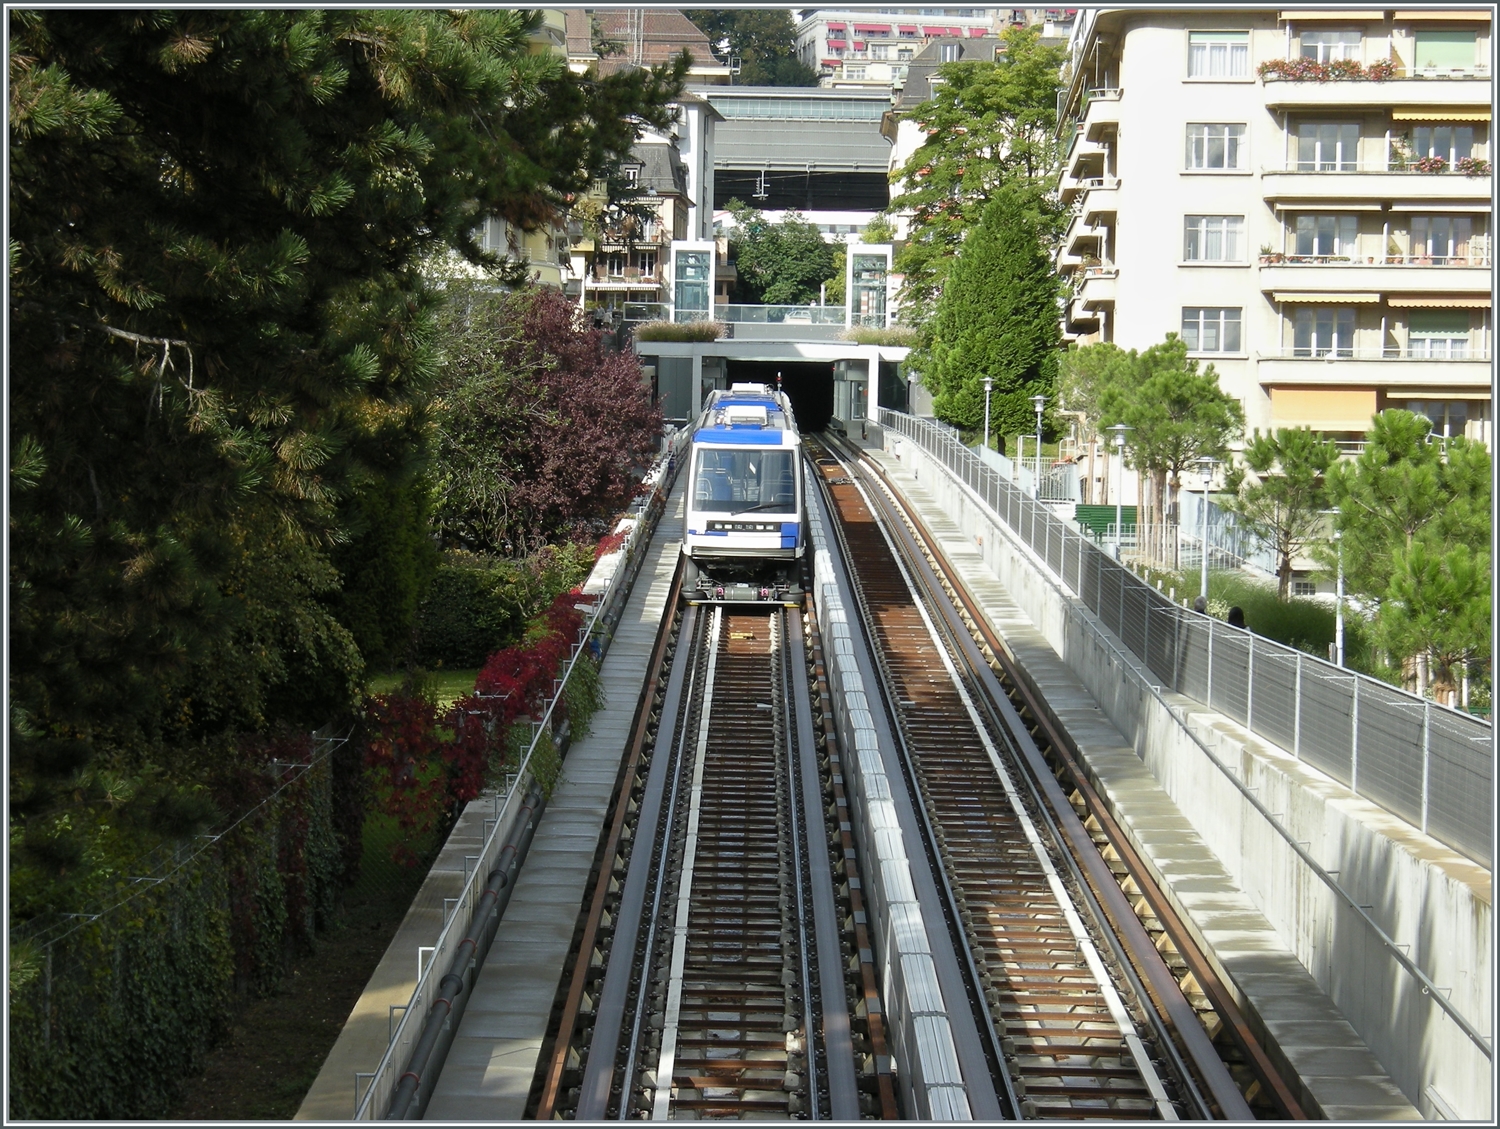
{"x": 1387, "y": 369}
{"x": 1371, "y": 275}
{"x": 1101, "y": 198}
{"x": 1085, "y": 158}
{"x": 1374, "y": 184}
{"x": 1082, "y": 238}
{"x": 1101, "y": 114}
{"x": 1470, "y": 89}
{"x": 1079, "y": 320}
{"x": 631, "y": 279}
{"x": 1098, "y": 287}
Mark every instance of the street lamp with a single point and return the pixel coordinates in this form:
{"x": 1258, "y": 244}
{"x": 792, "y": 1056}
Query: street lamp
{"x": 989, "y": 382}
{"x": 1037, "y": 402}
{"x": 1119, "y": 430}
{"x": 1207, "y": 462}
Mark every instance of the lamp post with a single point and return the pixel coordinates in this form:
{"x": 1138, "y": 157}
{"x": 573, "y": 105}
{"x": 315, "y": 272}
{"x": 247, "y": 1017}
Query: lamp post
{"x": 989, "y": 382}
{"x": 1118, "y": 430}
{"x": 1037, "y": 402}
{"x": 1207, "y": 462}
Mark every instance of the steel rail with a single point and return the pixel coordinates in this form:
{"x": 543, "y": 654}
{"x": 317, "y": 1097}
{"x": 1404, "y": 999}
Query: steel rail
{"x": 1055, "y": 1078}
{"x": 552, "y": 1082}
{"x": 1138, "y": 668}
{"x": 836, "y": 1041}
{"x": 1129, "y": 940}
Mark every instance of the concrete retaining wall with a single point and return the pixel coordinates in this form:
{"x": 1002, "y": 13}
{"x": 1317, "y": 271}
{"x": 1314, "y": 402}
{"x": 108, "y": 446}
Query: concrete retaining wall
{"x": 1418, "y": 891}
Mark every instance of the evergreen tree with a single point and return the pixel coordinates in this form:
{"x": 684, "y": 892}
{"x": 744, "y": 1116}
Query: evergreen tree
{"x": 221, "y": 334}
{"x": 1282, "y": 507}
{"x": 1177, "y": 415}
{"x": 997, "y": 317}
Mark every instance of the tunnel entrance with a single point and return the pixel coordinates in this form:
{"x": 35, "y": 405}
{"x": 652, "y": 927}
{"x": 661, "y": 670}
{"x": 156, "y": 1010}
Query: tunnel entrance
{"x": 808, "y": 383}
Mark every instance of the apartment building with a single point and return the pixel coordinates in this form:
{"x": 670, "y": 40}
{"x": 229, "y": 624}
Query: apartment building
{"x": 1303, "y": 195}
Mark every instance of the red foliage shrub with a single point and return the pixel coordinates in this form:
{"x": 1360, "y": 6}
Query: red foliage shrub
{"x": 427, "y": 767}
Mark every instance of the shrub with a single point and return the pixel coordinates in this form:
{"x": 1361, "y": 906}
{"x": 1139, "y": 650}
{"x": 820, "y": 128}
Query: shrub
{"x": 466, "y": 615}
{"x": 679, "y": 331}
{"x": 894, "y": 335}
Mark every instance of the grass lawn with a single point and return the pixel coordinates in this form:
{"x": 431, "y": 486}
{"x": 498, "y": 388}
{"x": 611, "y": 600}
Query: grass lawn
{"x": 451, "y": 684}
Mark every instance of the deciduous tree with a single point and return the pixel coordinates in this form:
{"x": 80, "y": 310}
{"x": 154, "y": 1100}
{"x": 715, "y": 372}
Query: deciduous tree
{"x": 781, "y": 263}
{"x": 764, "y": 40}
{"x": 987, "y": 124}
{"x": 540, "y": 433}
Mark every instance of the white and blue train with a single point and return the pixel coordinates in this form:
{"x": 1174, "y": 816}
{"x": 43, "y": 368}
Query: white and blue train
{"x": 744, "y": 524}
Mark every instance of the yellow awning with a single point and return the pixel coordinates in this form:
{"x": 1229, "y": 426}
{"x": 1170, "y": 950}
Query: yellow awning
{"x": 1426, "y": 114}
{"x": 1465, "y": 14}
{"x": 1331, "y": 299}
{"x": 1439, "y": 301}
{"x": 1323, "y": 409}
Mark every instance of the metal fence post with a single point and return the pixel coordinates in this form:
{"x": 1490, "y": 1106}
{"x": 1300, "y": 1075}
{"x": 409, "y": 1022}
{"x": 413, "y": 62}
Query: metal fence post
{"x": 1297, "y": 712}
{"x": 1426, "y": 757}
{"x": 1208, "y": 694}
{"x": 1250, "y": 683}
{"x": 1354, "y": 740}
{"x": 1146, "y": 646}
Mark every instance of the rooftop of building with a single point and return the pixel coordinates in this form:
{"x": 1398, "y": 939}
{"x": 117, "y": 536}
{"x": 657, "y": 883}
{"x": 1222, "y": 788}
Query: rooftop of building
{"x": 646, "y": 37}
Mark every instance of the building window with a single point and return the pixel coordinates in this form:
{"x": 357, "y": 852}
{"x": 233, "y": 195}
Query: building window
{"x": 1437, "y": 335}
{"x": 949, "y": 52}
{"x": 1304, "y": 588}
{"x": 1218, "y": 54}
{"x": 1327, "y": 46}
{"x": 1449, "y": 142}
{"x": 1444, "y": 51}
{"x": 1327, "y": 147}
{"x": 1447, "y": 417}
{"x": 1214, "y": 239}
{"x": 632, "y": 174}
{"x": 614, "y": 264}
{"x": 1215, "y": 146}
{"x": 854, "y": 73}
{"x": 1327, "y": 235}
{"x": 903, "y": 53}
{"x": 879, "y": 51}
{"x": 1441, "y": 239}
{"x": 647, "y": 261}
{"x": 1323, "y": 331}
{"x": 1207, "y": 329}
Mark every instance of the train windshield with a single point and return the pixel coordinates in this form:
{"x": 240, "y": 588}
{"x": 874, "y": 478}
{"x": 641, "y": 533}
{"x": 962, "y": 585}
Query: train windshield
{"x": 736, "y": 480}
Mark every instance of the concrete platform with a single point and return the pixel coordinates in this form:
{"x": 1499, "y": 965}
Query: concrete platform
{"x": 1341, "y": 1078}
{"x": 488, "y": 1073}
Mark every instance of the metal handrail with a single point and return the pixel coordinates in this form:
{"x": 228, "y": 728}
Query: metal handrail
{"x": 375, "y": 1103}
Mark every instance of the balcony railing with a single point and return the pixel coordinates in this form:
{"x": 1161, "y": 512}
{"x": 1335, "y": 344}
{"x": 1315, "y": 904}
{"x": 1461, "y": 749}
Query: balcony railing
{"x": 759, "y": 315}
{"x": 1480, "y": 167}
{"x": 1349, "y": 353}
{"x": 1276, "y": 258}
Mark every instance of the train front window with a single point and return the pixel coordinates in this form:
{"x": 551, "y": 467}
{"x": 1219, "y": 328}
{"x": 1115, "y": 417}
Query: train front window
{"x": 737, "y": 480}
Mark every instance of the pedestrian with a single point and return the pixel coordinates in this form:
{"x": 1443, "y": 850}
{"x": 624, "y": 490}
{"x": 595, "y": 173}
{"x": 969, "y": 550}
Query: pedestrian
{"x": 1200, "y": 604}
{"x": 1237, "y": 618}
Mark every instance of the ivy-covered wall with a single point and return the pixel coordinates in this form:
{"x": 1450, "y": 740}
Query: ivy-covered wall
{"x": 108, "y": 1014}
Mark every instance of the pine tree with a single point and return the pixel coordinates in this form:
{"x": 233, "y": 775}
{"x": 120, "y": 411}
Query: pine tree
{"x": 997, "y": 317}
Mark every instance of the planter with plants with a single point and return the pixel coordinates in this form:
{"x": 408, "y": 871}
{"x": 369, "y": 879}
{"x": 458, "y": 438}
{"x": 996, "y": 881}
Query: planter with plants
{"x": 1302, "y": 69}
{"x": 1472, "y": 166}
{"x": 1430, "y": 164}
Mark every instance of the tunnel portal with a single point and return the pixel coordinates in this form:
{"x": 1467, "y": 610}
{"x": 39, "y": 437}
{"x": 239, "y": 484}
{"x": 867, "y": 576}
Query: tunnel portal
{"x": 808, "y": 383}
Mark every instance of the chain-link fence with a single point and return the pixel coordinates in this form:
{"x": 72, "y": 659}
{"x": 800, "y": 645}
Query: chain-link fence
{"x": 1427, "y": 763}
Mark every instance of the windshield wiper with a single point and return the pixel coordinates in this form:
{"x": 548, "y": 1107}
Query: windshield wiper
{"x": 785, "y": 507}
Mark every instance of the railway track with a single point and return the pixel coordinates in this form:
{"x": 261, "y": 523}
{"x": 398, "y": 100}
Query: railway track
{"x": 1065, "y": 1018}
{"x": 724, "y": 992}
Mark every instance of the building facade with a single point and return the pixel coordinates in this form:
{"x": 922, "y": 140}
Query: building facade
{"x": 1304, "y": 196}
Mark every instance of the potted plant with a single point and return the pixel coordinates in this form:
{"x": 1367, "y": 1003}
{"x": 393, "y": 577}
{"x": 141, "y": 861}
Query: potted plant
{"x": 1472, "y": 166}
{"x": 1269, "y": 256}
{"x": 1430, "y": 164}
{"x": 1393, "y": 253}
